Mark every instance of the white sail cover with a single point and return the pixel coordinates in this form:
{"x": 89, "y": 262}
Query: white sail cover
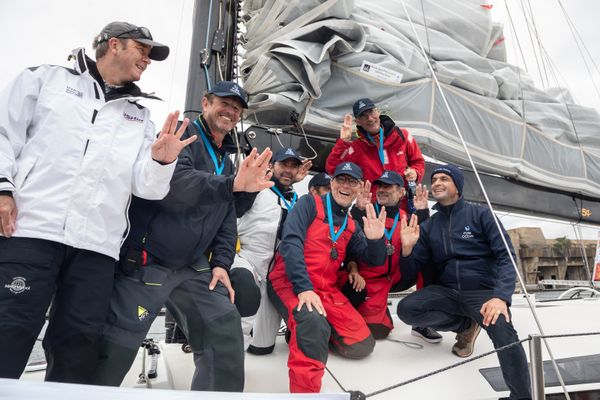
{"x": 316, "y": 57}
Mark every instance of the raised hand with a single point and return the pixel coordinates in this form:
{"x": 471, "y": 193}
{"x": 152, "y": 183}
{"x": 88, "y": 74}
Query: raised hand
{"x": 410, "y": 174}
{"x": 168, "y": 145}
{"x": 420, "y": 199}
{"x": 346, "y": 129}
{"x": 303, "y": 170}
{"x": 364, "y": 197}
{"x": 409, "y": 234}
{"x": 220, "y": 275}
{"x": 311, "y": 299}
{"x": 253, "y": 174}
{"x": 8, "y": 215}
{"x": 374, "y": 226}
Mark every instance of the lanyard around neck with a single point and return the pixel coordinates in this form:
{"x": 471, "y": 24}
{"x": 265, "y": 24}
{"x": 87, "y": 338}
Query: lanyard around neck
{"x": 289, "y": 204}
{"x": 334, "y": 235}
{"x": 388, "y": 234}
{"x": 211, "y": 151}
{"x": 381, "y": 155}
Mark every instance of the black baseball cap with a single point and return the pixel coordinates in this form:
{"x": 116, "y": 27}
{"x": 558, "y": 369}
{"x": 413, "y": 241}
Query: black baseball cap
{"x": 230, "y": 89}
{"x": 125, "y": 30}
{"x": 348, "y": 168}
{"x": 390, "y": 178}
{"x": 320, "y": 179}
{"x": 285, "y": 154}
{"x": 362, "y": 105}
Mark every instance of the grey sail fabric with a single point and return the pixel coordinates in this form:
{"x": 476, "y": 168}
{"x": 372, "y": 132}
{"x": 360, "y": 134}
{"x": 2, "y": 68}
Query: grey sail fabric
{"x": 316, "y": 58}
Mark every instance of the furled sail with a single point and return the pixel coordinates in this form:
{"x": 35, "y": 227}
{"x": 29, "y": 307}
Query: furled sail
{"x": 316, "y": 57}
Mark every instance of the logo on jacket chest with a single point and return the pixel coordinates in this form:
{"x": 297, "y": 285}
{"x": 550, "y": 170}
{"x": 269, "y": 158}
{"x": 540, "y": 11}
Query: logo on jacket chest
{"x": 467, "y": 234}
{"x": 132, "y": 118}
{"x": 74, "y": 91}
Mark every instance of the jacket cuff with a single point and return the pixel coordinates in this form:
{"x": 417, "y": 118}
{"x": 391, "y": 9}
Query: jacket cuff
{"x": 6, "y": 193}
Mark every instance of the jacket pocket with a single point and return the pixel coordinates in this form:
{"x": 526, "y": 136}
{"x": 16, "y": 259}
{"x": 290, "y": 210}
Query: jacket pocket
{"x": 152, "y": 276}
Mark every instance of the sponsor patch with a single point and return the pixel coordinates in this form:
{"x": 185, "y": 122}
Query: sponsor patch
{"x": 132, "y": 118}
{"x": 142, "y": 313}
{"x": 18, "y": 285}
{"x": 74, "y": 91}
{"x": 467, "y": 233}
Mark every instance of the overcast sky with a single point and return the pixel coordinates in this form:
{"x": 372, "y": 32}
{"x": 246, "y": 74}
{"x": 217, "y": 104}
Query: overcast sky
{"x": 35, "y": 32}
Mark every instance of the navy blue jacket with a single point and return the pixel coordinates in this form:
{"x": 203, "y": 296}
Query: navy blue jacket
{"x": 372, "y": 252}
{"x": 197, "y": 216}
{"x": 467, "y": 250}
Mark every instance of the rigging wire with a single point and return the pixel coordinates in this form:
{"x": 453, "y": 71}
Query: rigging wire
{"x": 579, "y": 238}
{"x": 496, "y": 221}
{"x": 539, "y": 43}
{"x": 553, "y": 71}
{"x": 579, "y": 42}
{"x": 512, "y": 25}
{"x": 181, "y": 24}
{"x": 426, "y": 29}
{"x": 537, "y": 62}
{"x": 522, "y": 96}
{"x": 208, "y": 24}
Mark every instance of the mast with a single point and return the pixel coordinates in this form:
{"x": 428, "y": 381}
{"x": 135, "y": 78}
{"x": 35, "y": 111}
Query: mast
{"x": 213, "y": 52}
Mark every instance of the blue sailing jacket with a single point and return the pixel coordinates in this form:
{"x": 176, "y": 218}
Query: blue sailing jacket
{"x": 464, "y": 245}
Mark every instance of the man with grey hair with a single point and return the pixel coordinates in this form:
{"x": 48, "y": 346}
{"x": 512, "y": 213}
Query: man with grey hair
{"x": 75, "y": 144}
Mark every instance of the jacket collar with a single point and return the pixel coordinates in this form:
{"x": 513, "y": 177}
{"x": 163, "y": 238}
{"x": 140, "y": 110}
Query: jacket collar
{"x": 85, "y": 65}
{"x": 387, "y": 124}
{"x": 444, "y": 209}
{"x": 228, "y": 146}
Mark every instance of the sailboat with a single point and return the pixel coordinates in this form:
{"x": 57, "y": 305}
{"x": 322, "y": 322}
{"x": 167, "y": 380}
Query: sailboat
{"x": 304, "y": 63}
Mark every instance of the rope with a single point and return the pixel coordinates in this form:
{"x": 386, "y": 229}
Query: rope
{"x": 410, "y": 345}
{"x": 496, "y": 221}
{"x": 449, "y": 367}
{"x": 420, "y": 377}
{"x": 564, "y": 335}
{"x": 335, "y": 379}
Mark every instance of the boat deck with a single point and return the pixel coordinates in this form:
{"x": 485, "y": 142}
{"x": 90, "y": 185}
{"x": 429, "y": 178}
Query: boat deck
{"x": 393, "y": 362}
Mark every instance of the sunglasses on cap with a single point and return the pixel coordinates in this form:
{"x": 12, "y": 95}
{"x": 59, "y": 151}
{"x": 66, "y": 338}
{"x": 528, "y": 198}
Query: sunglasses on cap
{"x": 142, "y": 31}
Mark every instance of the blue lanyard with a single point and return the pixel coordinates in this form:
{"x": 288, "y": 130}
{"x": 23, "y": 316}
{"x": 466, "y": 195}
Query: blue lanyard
{"x": 287, "y": 205}
{"x": 381, "y": 155}
{"x": 211, "y": 151}
{"x": 388, "y": 234}
{"x": 334, "y": 235}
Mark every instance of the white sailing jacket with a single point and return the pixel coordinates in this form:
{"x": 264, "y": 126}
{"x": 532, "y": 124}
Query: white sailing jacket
{"x": 257, "y": 231}
{"x": 72, "y": 159}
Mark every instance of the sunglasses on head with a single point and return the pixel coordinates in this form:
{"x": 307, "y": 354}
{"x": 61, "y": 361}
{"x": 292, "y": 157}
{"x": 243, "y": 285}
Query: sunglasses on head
{"x": 142, "y": 31}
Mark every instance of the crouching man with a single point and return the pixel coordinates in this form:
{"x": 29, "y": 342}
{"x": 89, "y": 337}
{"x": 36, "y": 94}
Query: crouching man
{"x": 476, "y": 280}
{"x": 317, "y": 235}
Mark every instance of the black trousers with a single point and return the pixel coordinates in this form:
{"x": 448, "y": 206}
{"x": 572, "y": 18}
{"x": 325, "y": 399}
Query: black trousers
{"x": 207, "y": 317}
{"x": 35, "y": 272}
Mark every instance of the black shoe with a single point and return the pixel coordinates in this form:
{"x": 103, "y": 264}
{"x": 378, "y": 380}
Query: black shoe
{"x": 429, "y": 335}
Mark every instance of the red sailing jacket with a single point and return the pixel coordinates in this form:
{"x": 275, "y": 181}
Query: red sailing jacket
{"x": 400, "y": 149}
{"x": 322, "y": 270}
{"x": 391, "y": 267}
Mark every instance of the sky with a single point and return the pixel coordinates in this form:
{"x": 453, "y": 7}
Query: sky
{"x": 38, "y": 32}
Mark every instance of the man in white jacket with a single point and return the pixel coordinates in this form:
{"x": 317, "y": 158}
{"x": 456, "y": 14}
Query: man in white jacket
{"x": 74, "y": 145}
{"x": 259, "y": 232}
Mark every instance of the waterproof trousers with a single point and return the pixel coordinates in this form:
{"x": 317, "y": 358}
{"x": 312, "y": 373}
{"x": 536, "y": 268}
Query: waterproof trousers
{"x": 446, "y": 309}
{"x": 343, "y": 329}
{"x": 208, "y": 318}
{"x": 35, "y": 272}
